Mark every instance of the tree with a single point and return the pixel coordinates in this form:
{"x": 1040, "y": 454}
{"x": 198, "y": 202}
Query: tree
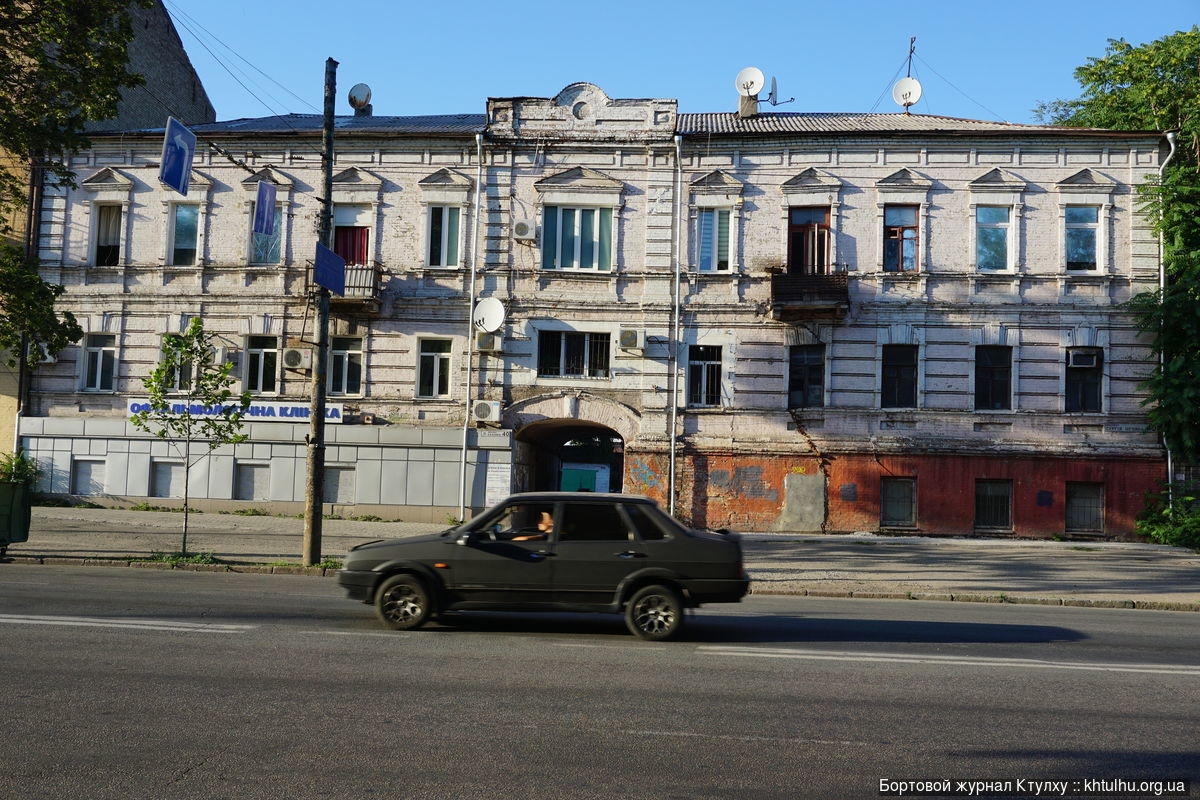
{"x": 27, "y": 313}
{"x": 191, "y": 402}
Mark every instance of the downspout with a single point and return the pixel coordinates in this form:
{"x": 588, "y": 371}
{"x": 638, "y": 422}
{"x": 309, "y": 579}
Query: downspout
{"x": 33, "y": 224}
{"x": 674, "y": 351}
{"x": 475, "y": 212}
{"x": 1162, "y": 286}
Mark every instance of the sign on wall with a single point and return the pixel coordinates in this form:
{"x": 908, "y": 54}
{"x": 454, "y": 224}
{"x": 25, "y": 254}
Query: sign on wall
{"x": 179, "y": 148}
{"x": 259, "y": 411}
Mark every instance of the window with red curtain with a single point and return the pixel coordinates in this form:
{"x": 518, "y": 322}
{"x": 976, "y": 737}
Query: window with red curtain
{"x": 350, "y": 242}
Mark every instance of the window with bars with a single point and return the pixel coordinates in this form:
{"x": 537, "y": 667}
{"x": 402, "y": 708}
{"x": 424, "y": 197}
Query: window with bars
{"x": 443, "y": 236}
{"x": 433, "y": 369}
{"x": 993, "y": 378}
{"x": 185, "y": 227}
{"x": 808, "y": 240}
{"x": 345, "y": 365}
{"x": 993, "y": 504}
{"x": 577, "y": 238}
{"x": 900, "y": 238}
{"x": 1085, "y": 380}
{"x": 898, "y": 502}
{"x": 1085, "y": 507}
{"x": 991, "y": 237}
{"x": 262, "y": 364}
{"x": 712, "y": 234}
{"x": 704, "y": 375}
{"x": 806, "y": 376}
{"x": 99, "y": 362}
{"x": 898, "y": 379}
{"x": 108, "y": 236}
{"x": 1082, "y": 224}
{"x": 566, "y": 354}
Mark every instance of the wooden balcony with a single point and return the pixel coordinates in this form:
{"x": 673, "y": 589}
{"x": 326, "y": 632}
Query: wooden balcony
{"x": 795, "y": 298}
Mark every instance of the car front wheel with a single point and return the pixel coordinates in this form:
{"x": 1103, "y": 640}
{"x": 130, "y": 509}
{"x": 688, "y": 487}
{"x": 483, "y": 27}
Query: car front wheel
{"x": 403, "y": 603}
{"x": 654, "y": 613}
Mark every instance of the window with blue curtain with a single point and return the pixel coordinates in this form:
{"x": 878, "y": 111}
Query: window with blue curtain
{"x": 577, "y": 238}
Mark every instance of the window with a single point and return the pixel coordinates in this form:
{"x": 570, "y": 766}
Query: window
{"x": 592, "y": 522}
{"x": 185, "y": 224}
{"x": 433, "y": 379}
{"x": 266, "y": 249}
{"x": 898, "y": 502}
{"x": 1084, "y": 384}
{"x": 645, "y": 527}
{"x": 898, "y": 387}
{"x": 87, "y": 476}
{"x": 564, "y": 354}
{"x": 704, "y": 375}
{"x": 251, "y": 481}
{"x": 712, "y": 230}
{"x": 519, "y": 522}
{"x": 1085, "y": 507}
{"x": 443, "y": 236}
{"x": 108, "y": 236}
{"x": 993, "y": 504}
{"x": 180, "y": 377}
{"x": 993, "y": 378}
{"x": 352, "y": 233}
{"x": 577, "y": 238}
{"x": 991, "y": 237}
{"x": 99, "y": 362}
{"x": 262, "y": 364}
{"x": 1082, "y": 223}
{"x": 900, "y": 238}
{"x": 166, "y": 479}
{"x": 339, "y": 485}
{"x": 808, "y": 240}
{"x": 806, "y": 376}
{"x": 345, "y": 365}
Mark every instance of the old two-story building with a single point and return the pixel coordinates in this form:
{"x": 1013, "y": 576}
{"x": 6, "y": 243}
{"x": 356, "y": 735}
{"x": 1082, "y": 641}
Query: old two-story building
{"x": 775, "y": 321}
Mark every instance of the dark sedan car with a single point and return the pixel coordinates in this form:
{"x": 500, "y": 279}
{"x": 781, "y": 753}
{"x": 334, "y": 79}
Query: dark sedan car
{"x": 555, "y": 551}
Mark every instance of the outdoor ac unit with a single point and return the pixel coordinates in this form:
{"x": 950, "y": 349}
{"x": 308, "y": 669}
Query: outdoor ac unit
{"x": 486, "y": 411}
{"x": 1081, "y": 358}
{"x": 297, "y": 357}
{"x": 524, "y": 230}
{"x": 487, "y": 342}
{"x": 632, "y": 339}
{"x": 230, "y": 355}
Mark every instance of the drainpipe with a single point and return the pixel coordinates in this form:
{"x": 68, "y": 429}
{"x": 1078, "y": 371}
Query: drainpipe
{"x": 1162, "y": 285}
{"x": 674, "y": 352}
{"x": 462, "y": 463}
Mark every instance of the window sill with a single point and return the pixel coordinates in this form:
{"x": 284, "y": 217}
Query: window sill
{"x": 712, "y": 274}
{"x": 549, "y": 380}
{"x": 706, "y": 409}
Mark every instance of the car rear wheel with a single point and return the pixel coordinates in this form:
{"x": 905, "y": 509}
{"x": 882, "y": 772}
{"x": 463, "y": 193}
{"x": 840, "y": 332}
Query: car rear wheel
{"x": 403, "y": 603}
{"x": 654, "y": 613}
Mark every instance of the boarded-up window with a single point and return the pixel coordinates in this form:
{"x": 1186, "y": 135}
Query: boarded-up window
{"x": 252, "y": 482}
{"x": 166, "y": 479}
{"x": 339, "y": 484}
{"x": 87, "y": 476}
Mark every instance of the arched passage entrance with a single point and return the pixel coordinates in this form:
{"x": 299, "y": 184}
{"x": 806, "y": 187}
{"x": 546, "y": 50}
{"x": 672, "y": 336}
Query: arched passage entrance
{"x": 569, "y": 455}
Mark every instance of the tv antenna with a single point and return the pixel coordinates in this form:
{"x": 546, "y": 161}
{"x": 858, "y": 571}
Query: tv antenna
{"x": 907, "y": 90}
{"x": 749, "y": 82}
{"x": 488, "y": 315}
{"x": 773, "y": 96}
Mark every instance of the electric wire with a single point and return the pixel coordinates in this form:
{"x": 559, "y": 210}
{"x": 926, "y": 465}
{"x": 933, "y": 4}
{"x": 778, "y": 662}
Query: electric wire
{"x": 995, "y": 115}
{"x": 888, "y": 85}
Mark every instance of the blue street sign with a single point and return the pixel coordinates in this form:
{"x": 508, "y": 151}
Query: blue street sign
{"x": 179, "y": 146}
{"x": 329, "y": 270}
{"x": 264, "y": 209}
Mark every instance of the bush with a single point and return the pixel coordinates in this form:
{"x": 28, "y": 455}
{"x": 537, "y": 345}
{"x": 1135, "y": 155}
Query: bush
{"x": 19, "y": 468}
{"x": 1177, "y": 523}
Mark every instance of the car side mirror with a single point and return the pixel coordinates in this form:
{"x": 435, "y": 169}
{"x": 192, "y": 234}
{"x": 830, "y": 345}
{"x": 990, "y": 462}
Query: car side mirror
{"x": 465, "y": 538}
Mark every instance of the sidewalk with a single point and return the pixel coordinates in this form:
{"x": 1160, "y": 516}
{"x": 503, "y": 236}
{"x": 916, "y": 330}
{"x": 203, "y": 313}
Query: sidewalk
{"x": 979, "y": 570}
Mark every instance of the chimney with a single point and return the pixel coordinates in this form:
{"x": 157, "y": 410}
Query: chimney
{"x": 747, "y": 106}
{"x": 365, "y": 111}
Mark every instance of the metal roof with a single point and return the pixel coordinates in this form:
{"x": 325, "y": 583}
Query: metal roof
{"x": 310, "y": 124}
{"x": 729, "y": 123}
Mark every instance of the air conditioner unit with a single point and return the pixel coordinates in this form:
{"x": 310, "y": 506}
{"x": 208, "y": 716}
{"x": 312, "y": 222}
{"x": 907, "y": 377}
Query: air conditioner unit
{"x": 524, "y": 230}
{"x": 487, "y": 342}
{"x": 486, "y": 411}
{"x": 1082, "y": 358}
{"x": 229, "y": 355}
{"x": 632, "y": 339}
{"x": 297, "y": 357}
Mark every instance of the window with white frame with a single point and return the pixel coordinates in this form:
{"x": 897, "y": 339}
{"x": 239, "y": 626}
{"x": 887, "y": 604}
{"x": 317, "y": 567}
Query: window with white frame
{"x": 443, "y": 236}
{"x": 108, "y": 236}
{"x": 992, "y": 237}
{"x": 712, "y": 239}
{"x": 569, "y": 354}
{"x": 266, "y": 249}
{"x": 1082, "y": 224}
{"x": 185, "y": 231}
{"x": 99, "y": 362}
{"x": 433, "y": 368}
{"x": 179, "y": 375}
{"x": 261, "y": 365}
{"x": 345, "y": 365}
{"x": 352, "y": 232}
{"x": 704, "y": 375}
{"x": 577, "y": 238}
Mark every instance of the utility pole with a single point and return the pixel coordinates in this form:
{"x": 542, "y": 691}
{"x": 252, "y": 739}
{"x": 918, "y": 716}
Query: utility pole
{"x": 315, "y": 488}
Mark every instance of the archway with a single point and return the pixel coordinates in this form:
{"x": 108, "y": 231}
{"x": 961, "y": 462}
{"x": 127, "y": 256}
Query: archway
{"x": 569, "y": 455}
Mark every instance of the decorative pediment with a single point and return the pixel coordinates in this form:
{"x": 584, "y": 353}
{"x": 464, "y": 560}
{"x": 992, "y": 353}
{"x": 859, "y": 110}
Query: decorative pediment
{"x": 581, "y": 179}
{"x": 445, "y": 179}
{"x": 198, "y": 180}
{"x": 717, "y": 181}
{"x": 904, "y": 180}
{"x": 997, "y": 180}
{"x": 812, "y": 180}
{"x": 355, "y": 178}
{"x": 1086, "y": 181}
{"x": 107, "y": 178}
{"x": 270, "y": 175}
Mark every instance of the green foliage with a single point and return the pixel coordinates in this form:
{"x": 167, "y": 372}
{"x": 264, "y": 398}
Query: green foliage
{"x": 367, "y": 518}
{"x": 181, "y": 558}
{"x": 1173, "y": 518}
{"x": 247, "y": 512}
{"x": 144, "y": 506}
{"x": 19, "y": 468}
{"x": 62, "y": 64}
{"x": 27, "y": 309}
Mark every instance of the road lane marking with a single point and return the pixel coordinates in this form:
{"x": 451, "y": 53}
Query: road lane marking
{"x": 731, "y": 737}
{"x": 944, "y": 660}
{"x": 128, "y": 624}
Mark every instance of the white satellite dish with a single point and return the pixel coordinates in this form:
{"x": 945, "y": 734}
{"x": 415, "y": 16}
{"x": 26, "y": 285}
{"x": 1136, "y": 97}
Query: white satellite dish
{"x": 906, "y": 92}
{"x": 750, "y": 81}
{"x": 360, "y": 95}
{"x": 488, "y": 315}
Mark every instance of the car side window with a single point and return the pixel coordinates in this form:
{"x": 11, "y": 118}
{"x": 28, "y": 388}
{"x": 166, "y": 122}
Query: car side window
{"x": 592, "y": 522}
{"x": 642, "y": 524}
{"x": 522, "y": 522}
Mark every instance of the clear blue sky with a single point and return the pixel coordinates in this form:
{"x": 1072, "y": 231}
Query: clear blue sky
{"x": 983, "y": 60}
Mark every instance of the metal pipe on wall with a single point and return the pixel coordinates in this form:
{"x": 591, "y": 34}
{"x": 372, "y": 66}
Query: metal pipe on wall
{"x": 674, "y": 344}
{"x": 475, "y": 212}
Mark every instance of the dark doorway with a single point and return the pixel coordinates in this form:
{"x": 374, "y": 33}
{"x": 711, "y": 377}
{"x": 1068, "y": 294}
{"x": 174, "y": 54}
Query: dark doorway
{"x": 569, "y": 455}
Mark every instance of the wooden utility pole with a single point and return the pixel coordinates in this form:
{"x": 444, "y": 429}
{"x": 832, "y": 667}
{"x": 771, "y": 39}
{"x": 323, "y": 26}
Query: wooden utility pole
{"x": 315, "y": 488}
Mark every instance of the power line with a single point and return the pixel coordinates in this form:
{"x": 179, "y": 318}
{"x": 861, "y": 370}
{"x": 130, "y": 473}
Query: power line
{"x": 960, "y": 91}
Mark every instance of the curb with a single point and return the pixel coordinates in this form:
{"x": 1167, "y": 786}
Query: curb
{"x": 258, "y": 569}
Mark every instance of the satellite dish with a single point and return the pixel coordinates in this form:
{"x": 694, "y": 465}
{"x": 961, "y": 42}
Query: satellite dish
{"x": 773, "y": 95}
{"x": 906, "y": 92}
{"x": 750, "y": 81}
{"x": 488, "y": 315}
{"x": 360, "y": 95}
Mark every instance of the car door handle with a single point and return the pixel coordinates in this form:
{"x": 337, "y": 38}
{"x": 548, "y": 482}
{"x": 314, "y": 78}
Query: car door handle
{"x": 538, "y": 555}
{"x": 630, "y": 554}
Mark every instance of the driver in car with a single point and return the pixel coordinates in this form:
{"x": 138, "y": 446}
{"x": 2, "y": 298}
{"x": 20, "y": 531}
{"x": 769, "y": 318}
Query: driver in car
{"x": 545, "y": 527}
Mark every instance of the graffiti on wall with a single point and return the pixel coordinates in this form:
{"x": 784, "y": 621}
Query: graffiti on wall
{"x": 642, "y": 474}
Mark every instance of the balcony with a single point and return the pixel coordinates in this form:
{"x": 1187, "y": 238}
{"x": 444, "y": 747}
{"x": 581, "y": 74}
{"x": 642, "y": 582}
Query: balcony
{"x": 795, "y": 298}
{"x": 362, "y": 285}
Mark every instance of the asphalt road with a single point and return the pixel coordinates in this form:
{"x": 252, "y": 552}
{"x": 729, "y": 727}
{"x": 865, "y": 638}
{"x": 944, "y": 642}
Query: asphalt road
{"x": 121, "y": 683}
